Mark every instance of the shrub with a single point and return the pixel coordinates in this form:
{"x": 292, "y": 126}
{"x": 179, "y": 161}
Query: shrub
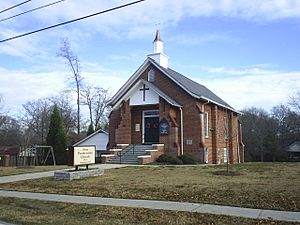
{"x": 169, "y": 159}
{"x": 176, "y": 161}
{"x": 187, "y": 159}
{"x": 164, "y": 158}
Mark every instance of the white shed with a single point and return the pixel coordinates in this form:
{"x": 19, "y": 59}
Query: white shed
{"x": 99, "y": 138}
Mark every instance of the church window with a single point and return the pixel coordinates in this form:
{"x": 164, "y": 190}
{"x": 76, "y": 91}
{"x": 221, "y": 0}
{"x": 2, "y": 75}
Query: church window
{"x": 206, "y": 124}
{"x": 206, "y": 155}
{"x": 226, "y": 128}
{"x": 225, "y": 155}
{"x": 151, "y": 113}
{"x": 151, "y": 76}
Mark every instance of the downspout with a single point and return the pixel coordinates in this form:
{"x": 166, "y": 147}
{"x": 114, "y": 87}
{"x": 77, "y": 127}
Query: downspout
{"x": 181, "y": 131}
{"x": 238, "y": 147}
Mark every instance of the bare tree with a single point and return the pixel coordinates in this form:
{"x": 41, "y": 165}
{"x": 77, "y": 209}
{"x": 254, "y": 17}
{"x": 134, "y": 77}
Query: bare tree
{"x": 88, "y": 96}
{"x": 100, "y": 107}
{"x": 295, "y": 102}
{"x": 1, "y": 102}
{"x": 288, "y": 124}
{"x": 96, "y": 98}
{"x": 73, "y": 63}
{"x": 10, "y": 131}
{"x": 36, "y": 119}
{"x": 68, "y": 114}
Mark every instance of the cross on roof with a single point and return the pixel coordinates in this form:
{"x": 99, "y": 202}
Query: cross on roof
{"x": 144, "y": 89}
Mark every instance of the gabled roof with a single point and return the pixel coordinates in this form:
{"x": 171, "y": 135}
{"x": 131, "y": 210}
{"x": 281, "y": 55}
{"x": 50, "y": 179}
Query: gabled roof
{"x": 91, "y": 135}
{"x": 161, "y": 93}
{"x": 294, "y": 147}
{"x": 195, "y": 88}
{"x": 150, "y": 86}
{"x": 191, "y": 87}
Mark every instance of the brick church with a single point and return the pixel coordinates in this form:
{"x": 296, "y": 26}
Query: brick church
{"x": 168, "y": 113}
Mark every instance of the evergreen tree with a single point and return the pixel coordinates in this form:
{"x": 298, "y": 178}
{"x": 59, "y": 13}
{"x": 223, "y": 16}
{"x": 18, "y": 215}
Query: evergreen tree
{"x": 57, "y": 138}
{"x": 90, "y": 130}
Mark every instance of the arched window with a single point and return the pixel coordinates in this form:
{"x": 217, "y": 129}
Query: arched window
{"x": 151, "y": 76}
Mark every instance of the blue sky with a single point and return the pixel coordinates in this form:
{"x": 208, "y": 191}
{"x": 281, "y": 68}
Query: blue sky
{"x": 247, "y": 52}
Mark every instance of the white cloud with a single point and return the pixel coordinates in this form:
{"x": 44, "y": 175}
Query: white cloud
{"x": 18, "y": 87}
{"x": 253, "y": 85}
{"x": 134, "y": 21}
{"x": 256, "y": 87}
{"x": 203, "y": 39}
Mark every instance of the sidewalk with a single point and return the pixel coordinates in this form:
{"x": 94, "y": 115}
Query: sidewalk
{"x": 4, "y": 223}
{"x": 163, "y": 205}
{"x": 28, "y": 176}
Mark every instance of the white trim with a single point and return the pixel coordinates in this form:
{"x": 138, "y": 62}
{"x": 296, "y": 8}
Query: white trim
{"x": 144, "y": 156}
{"x": 131, "y": 80}
{"x": 225, "y": 155}
{"x": 219, "y": 104}
{"x": 107, "y": 156}
{"x": 205, "y": 155}
{"x": 122, "y": 145}
{"x": 151, "y": 75}
{"x": 158, "y": 145}
{"x": 115, "y": 150}
{"x": 181, "y": 130}
{"x": 143, "y": 121}
{"x": 150, "y": 86}
{"x": 141, "y": 69}
{"x": 152, "y": 150}
{"x": 91, "y": 135}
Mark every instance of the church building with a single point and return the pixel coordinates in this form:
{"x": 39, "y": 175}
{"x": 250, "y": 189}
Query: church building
{"x": 162, "y": 109}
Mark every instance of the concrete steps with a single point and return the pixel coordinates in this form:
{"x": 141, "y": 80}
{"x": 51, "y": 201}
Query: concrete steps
{"x": 130, "y": 155}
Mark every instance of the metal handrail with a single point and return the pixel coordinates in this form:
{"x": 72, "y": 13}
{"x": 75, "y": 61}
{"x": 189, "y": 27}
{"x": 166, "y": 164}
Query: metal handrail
{"x": 131, "y": 147}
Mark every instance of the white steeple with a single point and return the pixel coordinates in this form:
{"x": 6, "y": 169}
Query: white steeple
{"x": 158, "y": 44}
{"x": 158, "y": 55}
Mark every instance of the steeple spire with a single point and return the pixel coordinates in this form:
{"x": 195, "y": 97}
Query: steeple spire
{"x": 158, "y": 45}
{"x": 158, "y": 53}
{"x": 157, "y": 36}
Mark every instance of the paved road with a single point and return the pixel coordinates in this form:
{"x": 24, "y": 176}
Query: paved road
{"x": 27, "y": 176}
{"x": 163, "y": 205}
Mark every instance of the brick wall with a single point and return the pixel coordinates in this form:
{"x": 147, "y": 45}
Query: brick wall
{"x": 215, "y": 142}
{"x": 114, "y": 121}
{"x": 123, "y": 131}
{"x": 136, "y": 118}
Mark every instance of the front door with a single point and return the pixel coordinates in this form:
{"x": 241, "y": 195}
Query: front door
{"x": 151, "y": 129}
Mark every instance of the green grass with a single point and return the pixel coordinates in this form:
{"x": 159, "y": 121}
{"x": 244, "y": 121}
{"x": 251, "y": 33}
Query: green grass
{"x": 260, "y": 185}
{"x": 7, "y": 171}
{"x": 25, "y": 212}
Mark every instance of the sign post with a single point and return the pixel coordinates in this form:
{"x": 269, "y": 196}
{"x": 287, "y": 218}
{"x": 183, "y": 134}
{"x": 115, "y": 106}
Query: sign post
{"x": 81, "y": 156}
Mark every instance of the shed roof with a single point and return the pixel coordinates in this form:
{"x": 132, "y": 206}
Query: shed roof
{"x": 91, "y": 135}
{"x": 9, "y": 150}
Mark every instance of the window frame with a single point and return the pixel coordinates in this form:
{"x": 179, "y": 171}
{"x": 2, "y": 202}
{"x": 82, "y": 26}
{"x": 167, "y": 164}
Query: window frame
{"x": 206, "y": 125}
{"x": 151, "y": 76}
{"x": 225, "y": 155}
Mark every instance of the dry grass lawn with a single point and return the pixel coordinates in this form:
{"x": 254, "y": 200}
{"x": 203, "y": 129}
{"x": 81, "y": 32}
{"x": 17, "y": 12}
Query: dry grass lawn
{"x": 260, "y": 185}
{"x": 25, "y": 212}
{"x": 7, "y": 171}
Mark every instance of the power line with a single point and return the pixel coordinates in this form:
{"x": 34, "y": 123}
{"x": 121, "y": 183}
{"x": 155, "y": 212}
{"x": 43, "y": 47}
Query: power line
{"x": 14, "y": 6}
{"x": 31, "y": 10}
{"x": 71, "y": 21}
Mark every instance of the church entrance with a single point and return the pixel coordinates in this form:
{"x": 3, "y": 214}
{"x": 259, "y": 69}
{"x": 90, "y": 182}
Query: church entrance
{"x": 151, "y": 126}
